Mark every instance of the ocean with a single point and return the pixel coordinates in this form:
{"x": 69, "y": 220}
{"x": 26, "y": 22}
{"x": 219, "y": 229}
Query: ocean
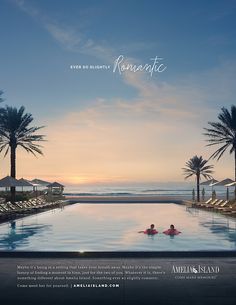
{"x": 163, "y": 189}
{"x": 183, "y": 190}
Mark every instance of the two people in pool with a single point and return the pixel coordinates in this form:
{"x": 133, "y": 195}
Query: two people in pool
{"x": 153, "y": 231}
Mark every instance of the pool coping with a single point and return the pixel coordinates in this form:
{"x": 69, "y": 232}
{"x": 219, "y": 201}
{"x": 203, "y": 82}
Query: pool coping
{"x": 117, "y": 254}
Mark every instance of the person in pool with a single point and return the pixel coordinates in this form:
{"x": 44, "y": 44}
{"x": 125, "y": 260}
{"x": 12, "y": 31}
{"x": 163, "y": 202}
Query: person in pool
{"x": 150, "y": 231}
{"x": 172, "y": 231}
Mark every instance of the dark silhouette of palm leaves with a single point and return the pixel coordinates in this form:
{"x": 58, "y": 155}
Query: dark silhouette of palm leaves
{"x": 15, "y": 131}
{"x": 223, "y": 132}
{"x": 197, "y": 166}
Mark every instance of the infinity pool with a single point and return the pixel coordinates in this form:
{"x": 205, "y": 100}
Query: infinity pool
{"x": 114, "y": 227}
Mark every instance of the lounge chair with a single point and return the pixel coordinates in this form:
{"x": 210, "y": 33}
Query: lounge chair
{"x": 219, "y": 202}
{"x": 202, "y": 204}
{"x": 22, "y": 206}
{"x": 222, "y": 205}
{"x": 2, "y": 211}
{"x": 5, "y": 208}
{"x": 12, "y": 207}
{"x": 209, "y": 203}
{"x": 228, "y": 209}
{"x": 213, "y": 203}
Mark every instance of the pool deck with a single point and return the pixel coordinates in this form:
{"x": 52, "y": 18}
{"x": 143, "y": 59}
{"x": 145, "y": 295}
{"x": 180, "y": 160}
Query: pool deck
{"x": 226, "y": 212}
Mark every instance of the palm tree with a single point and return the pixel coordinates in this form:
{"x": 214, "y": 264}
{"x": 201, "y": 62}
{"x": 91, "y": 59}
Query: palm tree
{"x": 196, "y": 166}
{"x": 15, "y": 131}
{"x": 223, "y": 133}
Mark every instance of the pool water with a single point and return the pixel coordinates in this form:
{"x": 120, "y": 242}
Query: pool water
{"x": 114, "y": 227}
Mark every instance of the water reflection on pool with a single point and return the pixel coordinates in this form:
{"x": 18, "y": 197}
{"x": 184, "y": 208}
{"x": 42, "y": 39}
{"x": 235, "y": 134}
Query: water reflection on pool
{"x": 114, "y": 227}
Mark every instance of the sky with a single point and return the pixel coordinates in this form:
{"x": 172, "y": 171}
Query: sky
{"x": 103, "y": 127}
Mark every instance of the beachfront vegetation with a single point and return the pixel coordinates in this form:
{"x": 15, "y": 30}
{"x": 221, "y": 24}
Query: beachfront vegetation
{"x": 223, "y": 133}
{"x": 197, "y": 166}
{"x": 15, "y": 131}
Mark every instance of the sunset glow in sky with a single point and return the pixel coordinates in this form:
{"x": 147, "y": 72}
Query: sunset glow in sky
{"x": 103, "y": 127}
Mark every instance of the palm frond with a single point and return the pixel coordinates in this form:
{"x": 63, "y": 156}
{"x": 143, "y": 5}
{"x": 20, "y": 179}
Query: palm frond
{"x": 197, "y": 166}
{"x": 15, "y": 129}
{"x": 223, "y": 132}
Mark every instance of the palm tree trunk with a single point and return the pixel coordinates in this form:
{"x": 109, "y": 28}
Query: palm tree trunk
{"x": 13, "y": 171}
{"x": 198, "y": 187}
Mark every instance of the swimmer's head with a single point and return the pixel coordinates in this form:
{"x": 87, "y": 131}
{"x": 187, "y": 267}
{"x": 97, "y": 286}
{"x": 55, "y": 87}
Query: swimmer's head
{"x": 152, "y": 226}
{"x": 172, "y": 227}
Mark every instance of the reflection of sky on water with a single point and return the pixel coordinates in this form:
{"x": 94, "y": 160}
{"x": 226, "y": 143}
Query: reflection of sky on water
{"x": 114, "y": 227}
{"x": 19, "y": 236}
{"x": 222, "y": 227}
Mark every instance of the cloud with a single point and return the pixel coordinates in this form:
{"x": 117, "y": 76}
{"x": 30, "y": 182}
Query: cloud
{"x": 67, "y": 36}
{"x": 148, "y": 137}
{"x": 25, "y": 7}
{"x": 73, "y": 39}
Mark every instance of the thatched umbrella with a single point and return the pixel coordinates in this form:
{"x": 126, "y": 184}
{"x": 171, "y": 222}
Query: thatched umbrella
{"x": 39, "y": 182}
{"x": 224, "y": 182}
{"x": 229, "y": 185}
{"x": 56, "y": 186}
{"x": 209, "y": 183}
{"x": 9, "y": 182}
{"x": 25, "y": 183}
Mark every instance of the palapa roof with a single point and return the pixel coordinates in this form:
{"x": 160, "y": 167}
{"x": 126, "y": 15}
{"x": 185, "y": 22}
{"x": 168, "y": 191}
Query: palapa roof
{"x": 25, "y": 182}
{"x": 209, "y": 182}
{"x": 55, "y": 184}
{"x": 223, "y": 182}
{"x": 9, "y": 182}
{"x": 40, "y": 182}
{"x": 231, "y": 184}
